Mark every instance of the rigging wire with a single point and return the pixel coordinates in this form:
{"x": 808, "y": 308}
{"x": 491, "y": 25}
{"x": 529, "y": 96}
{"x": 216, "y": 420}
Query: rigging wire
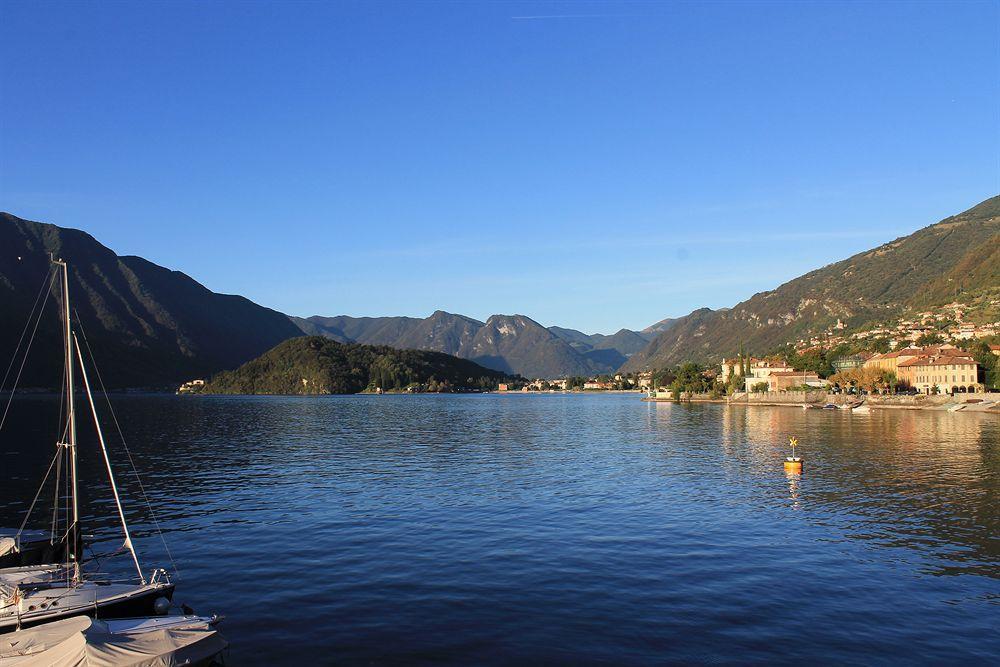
{"x": 60, "y": 437}
{"x": 48, "y": 279}
{"x": 38, "y": 493}
{"x": 128, "y": 452}
{"x": 31, "y": 315}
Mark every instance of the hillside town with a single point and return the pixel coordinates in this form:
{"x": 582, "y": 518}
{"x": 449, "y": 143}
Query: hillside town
{"x": 947, "y": 324}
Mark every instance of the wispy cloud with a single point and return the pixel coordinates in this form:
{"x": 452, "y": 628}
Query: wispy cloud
{"x": 545, "y": 17}
{"x": 472, "y": 246}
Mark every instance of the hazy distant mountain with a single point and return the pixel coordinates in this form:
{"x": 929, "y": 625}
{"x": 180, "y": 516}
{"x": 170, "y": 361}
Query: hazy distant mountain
{"x": 147, "y": 325}
{"x": 604, "y": 352}
{"x": 509, "y": 343}
{"x": 654, "y": 330}
{"x": 518, "y": 344}
{"x": 442, "y": 332}
{"x": 579, "y": 340}
{"x": 955, "y": 258}
{"x": 369, "y": 330}
{"x": 625, "y": 341}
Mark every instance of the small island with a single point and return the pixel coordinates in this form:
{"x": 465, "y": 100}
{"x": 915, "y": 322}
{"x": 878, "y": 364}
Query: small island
{"x": 313, "y": 365}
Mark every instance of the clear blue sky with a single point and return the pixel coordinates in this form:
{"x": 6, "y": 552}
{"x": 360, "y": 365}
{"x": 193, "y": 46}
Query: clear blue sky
{"x": 591, "y": 165}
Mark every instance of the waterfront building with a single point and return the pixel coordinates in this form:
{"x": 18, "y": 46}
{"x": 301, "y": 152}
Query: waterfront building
{"x": 597, "y": 384}
{"x": 785, "y": 380}
{"x": 761, "y": 370}
{"x": 191, "y": 386}
{"x": 890, "y": 361}
{"x": 950, "y": 373}
{"x": 730, "y": 366}
{"x": 644, "y": 380}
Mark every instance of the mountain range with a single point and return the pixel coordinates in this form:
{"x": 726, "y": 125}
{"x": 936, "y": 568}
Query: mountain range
{"x": 507, "y": 343}
{"x": 150, "y": 326}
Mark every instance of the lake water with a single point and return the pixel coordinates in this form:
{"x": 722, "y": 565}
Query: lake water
{"x": 554, "y": 529}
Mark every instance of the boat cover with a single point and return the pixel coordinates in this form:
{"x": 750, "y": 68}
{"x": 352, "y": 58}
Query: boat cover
{"x": 142, "y": 642}
{"x": 30, "y": 574}
{"x": 8, "y": 538}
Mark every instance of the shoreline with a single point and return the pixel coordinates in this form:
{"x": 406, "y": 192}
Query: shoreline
{"x": 979, "y": 403}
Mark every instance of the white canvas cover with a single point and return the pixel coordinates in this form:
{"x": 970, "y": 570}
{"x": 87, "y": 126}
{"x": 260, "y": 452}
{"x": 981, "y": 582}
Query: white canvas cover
{"x": 7, "y": 545}
{"x": 83, "y": 642}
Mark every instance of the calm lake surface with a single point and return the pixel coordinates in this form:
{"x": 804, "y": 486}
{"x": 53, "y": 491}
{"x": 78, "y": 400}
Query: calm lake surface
{"x": 553, "y": 529}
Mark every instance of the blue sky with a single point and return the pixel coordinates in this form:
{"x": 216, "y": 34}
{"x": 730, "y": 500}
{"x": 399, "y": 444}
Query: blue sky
{"x": 592, "y": 165}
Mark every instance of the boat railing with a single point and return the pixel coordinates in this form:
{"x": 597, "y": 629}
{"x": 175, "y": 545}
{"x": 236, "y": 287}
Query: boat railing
{"x": 159, "y": 576}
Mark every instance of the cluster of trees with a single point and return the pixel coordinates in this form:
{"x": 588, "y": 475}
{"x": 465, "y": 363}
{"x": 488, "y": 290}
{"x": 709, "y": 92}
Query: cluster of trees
{"x": 989, "y": 363}
{"x": 689, "y": 377}
{"x": 316, "y": 365}
{"x": 870, "y": 380}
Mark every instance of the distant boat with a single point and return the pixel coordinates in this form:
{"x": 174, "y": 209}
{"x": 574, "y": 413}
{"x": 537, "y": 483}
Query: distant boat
{"x": 40, "y": 593}
{"x": 127, "y": 642}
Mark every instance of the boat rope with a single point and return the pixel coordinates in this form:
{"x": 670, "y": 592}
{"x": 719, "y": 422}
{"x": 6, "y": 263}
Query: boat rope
{"x": 128, "y": 452}
{"x": 49, "y": 279}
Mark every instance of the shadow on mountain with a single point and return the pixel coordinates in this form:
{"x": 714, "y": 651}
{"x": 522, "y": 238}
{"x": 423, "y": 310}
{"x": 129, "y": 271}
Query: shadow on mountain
{"x": 606, "y": 360}
{"x": 495, "y": 363}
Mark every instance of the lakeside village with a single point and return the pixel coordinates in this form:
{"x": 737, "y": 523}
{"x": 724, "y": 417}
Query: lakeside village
{"x": 930, "y": 354}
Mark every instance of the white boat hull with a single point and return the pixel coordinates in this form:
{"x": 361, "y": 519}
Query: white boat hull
{"x": 31, "y": 596}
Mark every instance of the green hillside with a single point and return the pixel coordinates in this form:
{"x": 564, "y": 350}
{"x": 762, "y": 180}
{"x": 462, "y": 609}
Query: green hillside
{"x": 956, "y": 257}
{"x": 311, "y": 365}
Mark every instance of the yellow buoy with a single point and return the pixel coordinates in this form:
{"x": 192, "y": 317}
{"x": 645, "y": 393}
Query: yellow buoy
{"x": 793, "y": 463}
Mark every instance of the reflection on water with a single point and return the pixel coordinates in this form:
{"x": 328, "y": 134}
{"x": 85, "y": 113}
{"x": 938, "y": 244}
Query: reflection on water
{"x": 505, "y": 529}
{"x": 794, "y": 479}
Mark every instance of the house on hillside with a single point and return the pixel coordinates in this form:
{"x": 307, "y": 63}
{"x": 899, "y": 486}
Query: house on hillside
{"x": 850, "y": 362}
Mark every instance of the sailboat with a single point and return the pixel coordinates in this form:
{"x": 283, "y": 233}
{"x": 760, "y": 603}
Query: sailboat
{"x": 40, "y": 593}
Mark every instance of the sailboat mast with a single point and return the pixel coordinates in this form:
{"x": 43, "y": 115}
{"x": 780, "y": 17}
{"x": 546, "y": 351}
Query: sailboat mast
{"x": 107, "y": 461}
{"x": 74, "y": 529}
